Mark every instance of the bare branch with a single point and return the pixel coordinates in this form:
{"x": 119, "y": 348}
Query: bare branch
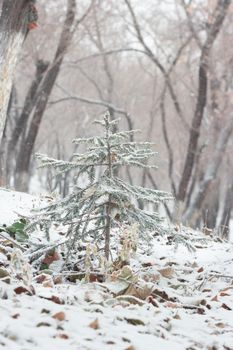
{"x": 190, "y": 23}
{"x": 154, "y": 59}
{"x": 167, "y": 142}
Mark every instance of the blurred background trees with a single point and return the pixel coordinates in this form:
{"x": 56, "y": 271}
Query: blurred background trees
{"x": 163, "y": 67}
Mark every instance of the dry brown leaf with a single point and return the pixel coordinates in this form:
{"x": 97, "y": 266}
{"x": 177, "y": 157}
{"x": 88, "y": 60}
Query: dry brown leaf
{"x": 24, "y": 290}
{"x": 152, "y": 301}
{"x": 226, "y": 307}
{"x": 60, "y": 316}
{"x": 215, "y": 298}
{"x": 42, "y": 277}
{"x": 167, "y": 272}
{"x": 139, "y": 292}
{"x": 15, "y": 316}
{"x": 201, "y": 269}
{"x": 62, "y": 336}
{"x": 223, "y": 294}
{"x": 220, "y": 325}
{"x": 50, "y": 257}
{"x": 54, "y": 299}
{"x": 94, "y": 324}
{"x": 131, "y": 347}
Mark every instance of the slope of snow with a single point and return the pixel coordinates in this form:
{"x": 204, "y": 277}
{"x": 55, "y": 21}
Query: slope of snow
{"x": 14, "y": 204}
{"x": 189, "y": 306}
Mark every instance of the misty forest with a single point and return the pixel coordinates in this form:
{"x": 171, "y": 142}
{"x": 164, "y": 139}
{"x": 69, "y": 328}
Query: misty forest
{"x": 116, "y": 186}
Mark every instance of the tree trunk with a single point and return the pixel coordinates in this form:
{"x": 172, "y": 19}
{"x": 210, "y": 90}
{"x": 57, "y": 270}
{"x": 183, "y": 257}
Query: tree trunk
{"x": 226, "y": 215}
{"x": 13, "y": 29}
{"x": 44, "y": 92}
{"x": 202, "y": 186}
{"x": 219, "y": 16}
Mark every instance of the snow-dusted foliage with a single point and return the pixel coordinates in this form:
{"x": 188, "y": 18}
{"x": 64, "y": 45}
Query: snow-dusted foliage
{"x": 102, "y": 203}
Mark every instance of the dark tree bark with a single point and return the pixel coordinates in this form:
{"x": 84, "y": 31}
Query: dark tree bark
{"x": 219, "y": 16}
{"x": 13, "y": 29}
{"x": 22, "y": 121}
{"x": 41, "y": 100}
{"x": 15, "y": 127}
{"x": 43, "y": 94}
{"x": 201, "y": 188}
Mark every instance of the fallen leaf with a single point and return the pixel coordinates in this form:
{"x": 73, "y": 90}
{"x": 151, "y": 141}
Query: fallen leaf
{"x": 60, "y": 316}
{"x": 167, "y": 272}
{"x": 131, "y": 347}
{"x": 23, "y": 290}
{"x": 41, "y": 278}
{"x": 57, "y": 280}
{"x": 220, "y": 325}
{"x": 223, "y": 294}
{"x": 43, "y": 324}
{"x": 94, "y": 324}
{"x": 126, "y": 340}
{"x": 163, "y": 295}
{"x": 48, "y": 283}
{"x": 141, "y": 292}
{"x": 3, "y": 272}
{"x": 200, "y": 311}
{"x": 56, "y": 300}
{"x": 15, "y": 316}
{"x": 152, "y": 301}
{"x": 147, "y": 264}
{"x": 226, "y": 307}
{"x": 135, "y": 321}
{"x": 50, "y": 257}
{"x": 45, "y": 311}
{"x": 62, "y": 336}
{"x": 215, "y": 298}
{"x": 201, "y": 269}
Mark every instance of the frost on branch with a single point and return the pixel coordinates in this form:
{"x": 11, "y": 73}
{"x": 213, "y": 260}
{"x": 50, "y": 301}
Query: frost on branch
{"x": 106, "y": 203}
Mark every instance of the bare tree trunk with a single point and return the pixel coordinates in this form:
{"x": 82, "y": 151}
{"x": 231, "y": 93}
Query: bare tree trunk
{"x": 44, "y": 92}
{"x": 202, "y": 186}
{"x": 21, "y": 123}
{"x": 209, "y": 212}
{"x": 219, "y": 16}
{"x": 13, "y": 29}
{"x": 4, "y": 160}
{"x": 226, "y": 215}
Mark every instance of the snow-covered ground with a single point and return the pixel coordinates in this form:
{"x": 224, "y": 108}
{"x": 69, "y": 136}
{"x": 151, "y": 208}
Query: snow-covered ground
{"x": 176, "y": 300}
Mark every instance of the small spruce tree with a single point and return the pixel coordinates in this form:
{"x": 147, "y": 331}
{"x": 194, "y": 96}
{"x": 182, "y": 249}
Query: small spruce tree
{"x": 100, "y": 203}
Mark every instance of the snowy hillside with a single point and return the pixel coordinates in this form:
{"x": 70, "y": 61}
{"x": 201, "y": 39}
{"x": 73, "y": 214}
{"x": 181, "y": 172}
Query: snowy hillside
{"x": 169, "y": 299}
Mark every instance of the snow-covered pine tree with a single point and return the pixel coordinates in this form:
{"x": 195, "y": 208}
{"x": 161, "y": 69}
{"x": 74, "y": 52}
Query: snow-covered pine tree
{"x": 104, "y": 202}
